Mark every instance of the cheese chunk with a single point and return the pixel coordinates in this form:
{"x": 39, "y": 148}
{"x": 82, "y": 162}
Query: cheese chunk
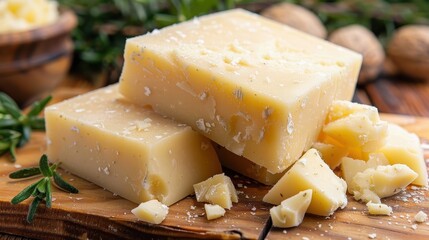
{"x": 246, "y": 167}
{"x": 350, "y": 167}
{"x": 291, "y": 211}
{"x": 128, "y": 150}
{"x": 331, "y": 154}
{"x": 379, "y": 209}
{"x": 421, "y": 217}
{"x": 356, "y": 126}
{"x": 311, "y": 172}
{"x": 151, "y": 211}
{"x": 404, "y": 147}
{"x": 213, "y": 211}
{"x": 383, "y": 181}
{"x": 257, "y": 87}
{"x": 218, "y": 189}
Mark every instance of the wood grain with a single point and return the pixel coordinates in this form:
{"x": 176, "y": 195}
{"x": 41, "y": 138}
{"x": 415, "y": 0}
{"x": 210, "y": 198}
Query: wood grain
{"x": 95, "y": 213}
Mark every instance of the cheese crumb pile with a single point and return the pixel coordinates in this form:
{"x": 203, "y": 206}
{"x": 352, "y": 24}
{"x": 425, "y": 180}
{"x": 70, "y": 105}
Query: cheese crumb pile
{"x": 21, "y": 15}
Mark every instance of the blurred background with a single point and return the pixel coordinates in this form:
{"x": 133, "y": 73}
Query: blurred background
{"x": 368, "y": 27}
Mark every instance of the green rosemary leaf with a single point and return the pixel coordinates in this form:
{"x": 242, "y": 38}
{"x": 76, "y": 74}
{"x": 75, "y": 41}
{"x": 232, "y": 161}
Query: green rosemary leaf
{"x": 32, "y": 209}
{"x": 37, "y": 123}
{"x": 26, "y": 134}
{"x": 14, "y": 111}
{"x": 38, "y": 106}
{"x": 7, "y": 122}
{"x": 12, "y": 152}
{"x": 4, "y": 98}
{"x": 59, "y": 181}
{"x": 44, "y": 166}
{"x": 26, "y": 193}
{"x": 41, "y": 187}
{"x": 25, "y": 173}
{"x": 4, "y": 146}
{"x": 48, "y": 194}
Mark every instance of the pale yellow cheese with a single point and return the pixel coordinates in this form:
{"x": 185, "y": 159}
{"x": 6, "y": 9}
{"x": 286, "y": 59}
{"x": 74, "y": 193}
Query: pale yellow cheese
{"x": 291, "y": 211}
{"x": 129, "y": 150}
{"x": 213, "y": 211}
{"x": 330, "y": 153}
{"x": 246, "y": 167}
{"x": 404, "y": 147}
{"x": 151, "y": 211}
{"x": 218, "y": 190}
{"x": 421, "y": 217}
{"x": 311, "y": 172}
{"x": 356, "y": 126}
{"x": 382, "y": 181}
{"x": 379, "y": 209}
{"x": 257, "y": 87}
{"x": 350, "y": 167}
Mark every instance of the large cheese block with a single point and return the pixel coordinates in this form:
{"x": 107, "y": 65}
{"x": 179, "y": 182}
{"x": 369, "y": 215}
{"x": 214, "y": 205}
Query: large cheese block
{"x": 129, "y": 150}
{"x": 257, "y": 87}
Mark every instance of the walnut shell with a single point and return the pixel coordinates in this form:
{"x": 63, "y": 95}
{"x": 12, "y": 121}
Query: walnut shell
{"x": 361, "y": 40}
{"x": 297, "y": 17}
{"x": 409, "y": 50}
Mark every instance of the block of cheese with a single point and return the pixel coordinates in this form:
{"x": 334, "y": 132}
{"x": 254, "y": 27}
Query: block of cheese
{"x": 246, "y": 167}
{"x": 213, "y": 211}
{"x": 291, "y": 211}
{"x": 404, "y": 147}
{"x": 382, "y": 181}
{"x": 151, "y": 211}
{"x": 218, "y": 190}
{"x": 311, "y": 172}
{"x": 259, "y": 88}
{"x": 378, "y": 209}
{"x": 129, "y": 150}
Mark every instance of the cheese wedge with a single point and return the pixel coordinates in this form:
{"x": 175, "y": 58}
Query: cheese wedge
{"x": 404, "y": 147}
{"x": 218, "y": 190}
{"x": 129, "y": 150}
{"x": 331, "y": 154}
{"x": 311, "y": 172}
{"x": 151, "y": 211}
{"x": 257, "y": 87}
{"x": 291, "y": 211}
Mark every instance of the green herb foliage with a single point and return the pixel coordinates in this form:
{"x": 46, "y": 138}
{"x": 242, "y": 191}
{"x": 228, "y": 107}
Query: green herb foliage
{"x": 42, "y": 189}
{"x": 15, "y": 126}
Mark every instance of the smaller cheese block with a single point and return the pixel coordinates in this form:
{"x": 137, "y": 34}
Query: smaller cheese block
{"x": 404, "y": 147}
{"x": 151, "y": 211}
{"x": 291, "y": 211}
{"x": 330, "y": 153}
{"x": 246, "y": 167}
{"x": 218, "y": 189}
{"x": 350, "y": 167}
{"x": 259, "y": 88}
{"x": 383, "y": 181}
{"x": 213, "y": 211}
{"x": 356, "y": 126}
{"x": 379, "y": 209}
{"x": 311, "y": 172}
{"x": 126, "y": 149}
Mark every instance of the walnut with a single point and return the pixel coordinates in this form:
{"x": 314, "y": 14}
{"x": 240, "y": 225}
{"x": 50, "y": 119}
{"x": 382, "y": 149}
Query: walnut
{"x": 363, "y": 41}
{"x": 297, "y": 17}
{"x": 409, "y": 50}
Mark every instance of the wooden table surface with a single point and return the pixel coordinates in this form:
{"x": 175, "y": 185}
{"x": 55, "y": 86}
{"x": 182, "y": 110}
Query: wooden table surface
{"x": 388, "y": 94}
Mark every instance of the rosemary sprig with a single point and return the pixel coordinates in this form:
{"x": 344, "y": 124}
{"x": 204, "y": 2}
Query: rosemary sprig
{"x": 42, "y": 189}
{"x": 15, "y": 126}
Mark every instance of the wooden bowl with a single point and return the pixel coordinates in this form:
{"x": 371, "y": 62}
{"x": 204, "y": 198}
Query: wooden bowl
{"x": 34, "y": 62}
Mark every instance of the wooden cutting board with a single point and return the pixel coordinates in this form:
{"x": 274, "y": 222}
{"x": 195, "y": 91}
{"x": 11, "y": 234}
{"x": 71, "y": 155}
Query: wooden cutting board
{"x": 95, "y": 213}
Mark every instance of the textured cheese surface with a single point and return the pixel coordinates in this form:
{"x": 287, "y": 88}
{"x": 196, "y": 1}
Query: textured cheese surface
{"x": 218, "y": 190}
{"x": 129, "y": 150}
{"x": 404, "y": 147}
{"x": 379, "y": 209}
{"x": 311, "y": 172}
{"x": 259, "y": 88}
{"x": 213, "y": 211}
